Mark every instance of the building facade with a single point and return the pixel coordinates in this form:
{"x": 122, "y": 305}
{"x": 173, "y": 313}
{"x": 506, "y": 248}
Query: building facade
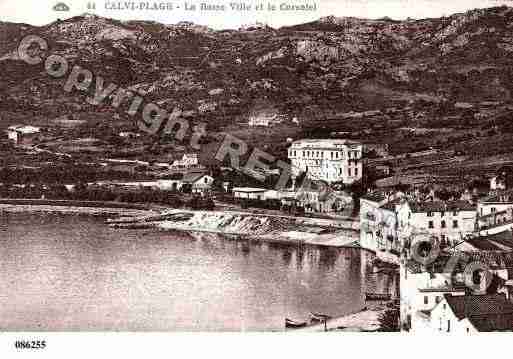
{"x": 449, "y": 222}
{"x": 378, "y": 221}
{"x": 327, "y": 160}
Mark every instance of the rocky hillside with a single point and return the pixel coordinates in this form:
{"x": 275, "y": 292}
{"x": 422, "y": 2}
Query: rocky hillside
{"x": 311, "y": 71}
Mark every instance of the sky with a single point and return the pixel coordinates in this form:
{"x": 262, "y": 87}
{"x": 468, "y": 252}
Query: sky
{"x": 40, "y": 12}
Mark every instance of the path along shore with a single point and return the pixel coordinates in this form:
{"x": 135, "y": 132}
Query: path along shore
{"x": 366, "y": 320}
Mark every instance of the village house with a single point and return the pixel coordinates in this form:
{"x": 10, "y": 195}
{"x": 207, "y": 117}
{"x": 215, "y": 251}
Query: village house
{"x": 22, "y": 135}
{"x": 502, "y": 180}
{"x": 424, "y": 287}
{"x": 189, "y": 160}
{"x": 242, "y": 193}
{"x": 197, "y": 182}
{"x": 378, "y": 221}
{"x": 327, "y": 160}
{"x": 498, "y": 202}
{"x": 317, "y": 202}
{"x": 421, "y": 291}
{"x": 448, "y": 221}
{"x": 264, "y": 118}
{"x": 472, "y": 313}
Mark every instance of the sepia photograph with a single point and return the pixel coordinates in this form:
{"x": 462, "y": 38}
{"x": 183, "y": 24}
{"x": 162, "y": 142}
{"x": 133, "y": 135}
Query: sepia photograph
{"x": 279, "y": 166}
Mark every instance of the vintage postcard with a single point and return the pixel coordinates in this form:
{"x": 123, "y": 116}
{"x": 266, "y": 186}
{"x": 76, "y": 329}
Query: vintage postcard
{"x": 256, "y": 166}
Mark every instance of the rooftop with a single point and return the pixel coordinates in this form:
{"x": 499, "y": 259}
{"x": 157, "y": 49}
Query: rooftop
{"x": 192, "y": 177}
{"x": 487, "y": 313}
{"x": 249, "y": 189}
{"x": 493, "y": 259}
{"x": 440, "y": 206}
{"x": 376, "y": 196}
{"x": 325, "y": 143}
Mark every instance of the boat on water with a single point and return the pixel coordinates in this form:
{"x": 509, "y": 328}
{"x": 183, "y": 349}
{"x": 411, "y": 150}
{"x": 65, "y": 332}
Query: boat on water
{"x": 132, "y": 225}
{"x": 319, "y": 317}
{"x": 289, "y": 323}
{"x": 378, "y": 296}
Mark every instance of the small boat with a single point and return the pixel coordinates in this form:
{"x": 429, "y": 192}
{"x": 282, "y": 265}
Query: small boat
{"x": 132, "y": 225}
{"x": 319, "y": 317}
{"x": 377, "y": 296}
{"x": 289, "y": 323}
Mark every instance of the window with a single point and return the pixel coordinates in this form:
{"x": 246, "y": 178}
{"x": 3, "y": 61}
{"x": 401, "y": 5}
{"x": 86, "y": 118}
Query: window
{"x": 444, "y": 306}
{"x": 448, "y": 326}
{"x": 331, "y": 155}
{"x": 454, "y": 224}
{"x": 356, "y": 171}
{"x": 426, "y": 299}
{"x": 349, "y": 172}
{"x": 494, "y": 209}
{"x": 438, "y": 299}
{"x": 430, "y": 224}
{"x": 442, "y": 214}
{"x": 206, "y": 179}
{"x": 430, "y": 214}
{"x": 303, "y": 153}
{"x": 455, "y": 213}
{"x": 442, "y": 224}
{"x": 336, "y": 154}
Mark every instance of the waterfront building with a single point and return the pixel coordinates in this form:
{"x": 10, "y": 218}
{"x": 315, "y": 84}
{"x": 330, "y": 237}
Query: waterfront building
{"x": 378, "y": 221}
{"x": 241, "y": 193}
{"x": 327, "y": 160}
{"x": 448, "y": 221}
{"x": 319, "y": 202}
{"x": 498, "y": 202}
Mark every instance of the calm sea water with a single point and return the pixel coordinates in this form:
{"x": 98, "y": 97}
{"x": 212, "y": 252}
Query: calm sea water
{"x": 75, "y": 273}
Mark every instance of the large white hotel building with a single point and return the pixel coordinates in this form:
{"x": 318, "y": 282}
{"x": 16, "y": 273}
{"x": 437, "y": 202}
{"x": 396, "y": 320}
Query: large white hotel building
{"x": 327, "y": 160}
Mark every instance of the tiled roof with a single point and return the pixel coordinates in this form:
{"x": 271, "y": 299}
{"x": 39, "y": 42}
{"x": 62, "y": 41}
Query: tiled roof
{"x": 489, "y": 312}
{"x": 439, "y": 206}
{"x": 376, "y": 196}
{"x": 483, "y": 244}
{"x": 192, "y": 177}
{"x": 493, "y": 259}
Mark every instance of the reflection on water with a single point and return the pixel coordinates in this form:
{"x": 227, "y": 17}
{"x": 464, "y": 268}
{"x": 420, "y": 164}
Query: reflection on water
{"x": 75, "y": 273}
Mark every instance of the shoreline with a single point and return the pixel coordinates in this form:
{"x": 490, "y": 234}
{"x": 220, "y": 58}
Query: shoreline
{"x": 365, "y": 320}
{"x": 341, "y": 238}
